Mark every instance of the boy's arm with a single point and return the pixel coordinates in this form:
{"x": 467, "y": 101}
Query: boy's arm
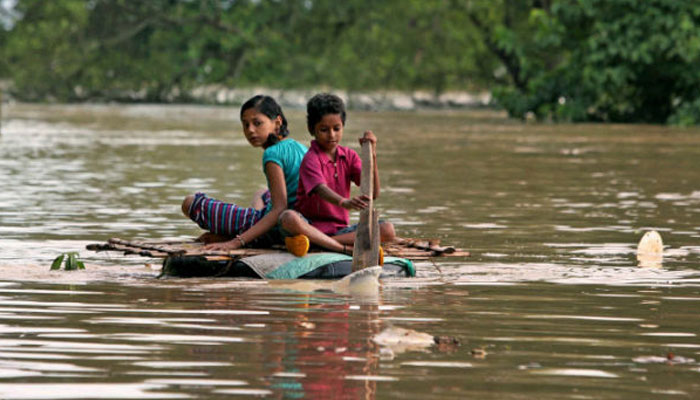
{"x": 329, "y": 195}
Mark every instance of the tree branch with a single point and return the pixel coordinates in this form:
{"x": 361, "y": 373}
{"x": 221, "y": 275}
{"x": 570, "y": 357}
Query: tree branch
{"x": 509, "y": 60}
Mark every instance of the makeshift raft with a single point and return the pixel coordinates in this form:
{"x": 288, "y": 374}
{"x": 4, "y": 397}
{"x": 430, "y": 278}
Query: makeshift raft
{"x": 190, "y": 259}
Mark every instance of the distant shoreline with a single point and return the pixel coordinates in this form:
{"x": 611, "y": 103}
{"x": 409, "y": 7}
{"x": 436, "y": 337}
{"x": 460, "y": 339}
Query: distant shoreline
{"x": 378, "y": 100}
{"x": 356, "y": 100}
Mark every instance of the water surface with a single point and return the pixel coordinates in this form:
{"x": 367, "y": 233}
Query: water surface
{"x": 552, "y": 303}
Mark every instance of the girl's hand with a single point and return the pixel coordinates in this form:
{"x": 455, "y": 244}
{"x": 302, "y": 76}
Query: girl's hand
{"x": 355, "y": 203}
{"x": 224, "y": 246}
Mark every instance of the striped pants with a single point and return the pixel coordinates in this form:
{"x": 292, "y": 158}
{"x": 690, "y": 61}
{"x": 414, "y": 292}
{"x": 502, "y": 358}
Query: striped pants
{"x": 222, "y": 218}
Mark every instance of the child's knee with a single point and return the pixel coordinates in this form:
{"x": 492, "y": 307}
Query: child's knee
{"x": 386, "y": 231}
{"x": 186, "y": 204}
{"x": 288, "y": 219}
{"x": 258, "y": 199}
{"x": 259, "y": 193}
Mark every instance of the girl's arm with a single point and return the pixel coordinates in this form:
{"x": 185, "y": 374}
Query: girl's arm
{"x": 278, "y": 192}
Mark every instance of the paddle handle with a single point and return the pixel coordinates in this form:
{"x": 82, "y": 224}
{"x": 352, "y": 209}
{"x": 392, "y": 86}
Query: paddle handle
{"x": 366, "y": 248}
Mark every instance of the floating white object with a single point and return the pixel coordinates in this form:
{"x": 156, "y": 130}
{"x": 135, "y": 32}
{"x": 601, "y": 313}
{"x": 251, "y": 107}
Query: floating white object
{"x": 650, "y": 251}
{"x": 363, "y": 283}
{"x": 402, "y": 339}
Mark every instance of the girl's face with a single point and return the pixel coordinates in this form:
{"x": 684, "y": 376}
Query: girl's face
{"x": 328, "y": 132}
{"x": 258, "y": 126}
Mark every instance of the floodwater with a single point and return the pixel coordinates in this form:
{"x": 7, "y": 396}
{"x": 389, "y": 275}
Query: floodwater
{"x": 551, "y": 305}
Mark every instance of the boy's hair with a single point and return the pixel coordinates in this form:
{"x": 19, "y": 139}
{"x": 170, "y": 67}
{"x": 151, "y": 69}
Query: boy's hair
{"x": 323, "y": 104}
{"x": 268, "y": 106}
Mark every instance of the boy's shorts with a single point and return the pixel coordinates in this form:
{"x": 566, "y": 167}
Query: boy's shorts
{"x": 286, "y": 233}
{"x": 351, "y": 228}
{"x": 347, "y": 229}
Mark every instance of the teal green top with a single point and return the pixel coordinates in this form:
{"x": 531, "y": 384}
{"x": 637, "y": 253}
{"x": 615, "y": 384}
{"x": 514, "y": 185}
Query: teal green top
{"x": 287, "y": 154}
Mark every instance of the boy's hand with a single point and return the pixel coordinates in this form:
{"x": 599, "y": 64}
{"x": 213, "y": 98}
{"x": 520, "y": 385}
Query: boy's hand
{"x": 369, "y": 137}
{"x": 355, "y": 203}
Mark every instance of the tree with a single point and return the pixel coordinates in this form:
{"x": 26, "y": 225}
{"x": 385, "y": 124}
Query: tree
{"x": 117, "y": 49}
{"x": 606, "y": 60}
{"x": 42, "y": 51}
{"x": 570, "y": 60}
{"x": 73, "y": 50}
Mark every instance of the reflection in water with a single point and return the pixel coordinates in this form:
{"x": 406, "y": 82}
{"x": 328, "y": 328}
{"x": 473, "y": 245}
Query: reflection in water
{"x": 604, "y": 340}
{"x": 298, "y": 344}
{"x": 319, "y": 358}
{"x": 551, "y": 305}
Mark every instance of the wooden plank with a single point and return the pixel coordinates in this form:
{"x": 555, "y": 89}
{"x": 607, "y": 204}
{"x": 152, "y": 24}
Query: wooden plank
{"x": 366, "y": 248}
{"x": 414, "y": 249}
{"x": 426, "y": 244}
{"x": 131, "y": 250}
{"x": 154, "y": 250}
{"x": 139, "y": 245}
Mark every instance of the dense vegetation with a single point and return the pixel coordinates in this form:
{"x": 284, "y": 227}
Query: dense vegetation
{"x": 607, "y": 60}
{"x": 578, "y": 60}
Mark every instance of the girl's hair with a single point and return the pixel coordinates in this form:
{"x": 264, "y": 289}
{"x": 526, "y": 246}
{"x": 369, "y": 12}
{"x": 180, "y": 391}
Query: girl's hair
{"x": 323, "y": 104}
{"x": 268, "y": 106}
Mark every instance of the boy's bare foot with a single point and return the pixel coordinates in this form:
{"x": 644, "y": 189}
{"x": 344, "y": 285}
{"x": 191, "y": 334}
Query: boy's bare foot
{"x": 347, "y": 249}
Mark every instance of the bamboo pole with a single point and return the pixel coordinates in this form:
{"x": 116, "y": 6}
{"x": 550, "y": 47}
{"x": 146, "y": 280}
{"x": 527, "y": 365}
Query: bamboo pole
{"x": 151, "y": 249}
{"x": 144, "y": 246}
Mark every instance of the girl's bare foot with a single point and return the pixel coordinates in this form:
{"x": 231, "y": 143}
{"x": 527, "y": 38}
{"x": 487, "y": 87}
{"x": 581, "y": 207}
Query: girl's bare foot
{"x": 209, "y": 237}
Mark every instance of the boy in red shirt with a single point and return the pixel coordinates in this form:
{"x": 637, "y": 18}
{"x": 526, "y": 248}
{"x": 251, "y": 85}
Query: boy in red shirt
{"x": 323, "y": 195}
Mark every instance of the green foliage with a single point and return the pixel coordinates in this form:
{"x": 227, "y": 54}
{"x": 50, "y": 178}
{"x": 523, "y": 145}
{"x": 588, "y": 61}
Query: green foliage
{"x": 43, "y": 50}
{"x": 561, "y": 60}
{"x": 72, "y": 50}
{"x": 69, "y": 260}
{"x": 610, "y": 60}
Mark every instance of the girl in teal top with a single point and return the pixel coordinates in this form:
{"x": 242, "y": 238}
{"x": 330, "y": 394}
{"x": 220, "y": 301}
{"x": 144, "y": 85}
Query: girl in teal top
{"x": 230, "y": 226}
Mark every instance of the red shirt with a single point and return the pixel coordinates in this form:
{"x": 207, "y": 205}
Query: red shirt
{"x": 316, "y": 168}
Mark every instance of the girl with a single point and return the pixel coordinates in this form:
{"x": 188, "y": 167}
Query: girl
{"x": 325, "y": 174}
{"x": 264, "y": 125}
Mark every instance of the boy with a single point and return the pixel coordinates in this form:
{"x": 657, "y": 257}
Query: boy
{"x": 323, "y": 195}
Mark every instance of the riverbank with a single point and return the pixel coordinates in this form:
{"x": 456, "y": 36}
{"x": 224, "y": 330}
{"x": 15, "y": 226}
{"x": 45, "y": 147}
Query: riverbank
{"x": 380, "y": 100}
{"x": 370, "y": 101}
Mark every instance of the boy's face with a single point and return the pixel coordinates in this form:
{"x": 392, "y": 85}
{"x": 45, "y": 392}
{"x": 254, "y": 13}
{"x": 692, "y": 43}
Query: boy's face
{"x": 329, "y": 132}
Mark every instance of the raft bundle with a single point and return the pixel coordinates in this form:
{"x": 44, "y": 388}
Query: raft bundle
{"x": 190, "y": 259}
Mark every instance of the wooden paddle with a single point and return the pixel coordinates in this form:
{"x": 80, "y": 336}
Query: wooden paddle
{"x": 366, "y": 249}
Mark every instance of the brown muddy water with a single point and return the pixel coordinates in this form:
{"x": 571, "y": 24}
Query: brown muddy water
{"x": 551, "y": 305}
